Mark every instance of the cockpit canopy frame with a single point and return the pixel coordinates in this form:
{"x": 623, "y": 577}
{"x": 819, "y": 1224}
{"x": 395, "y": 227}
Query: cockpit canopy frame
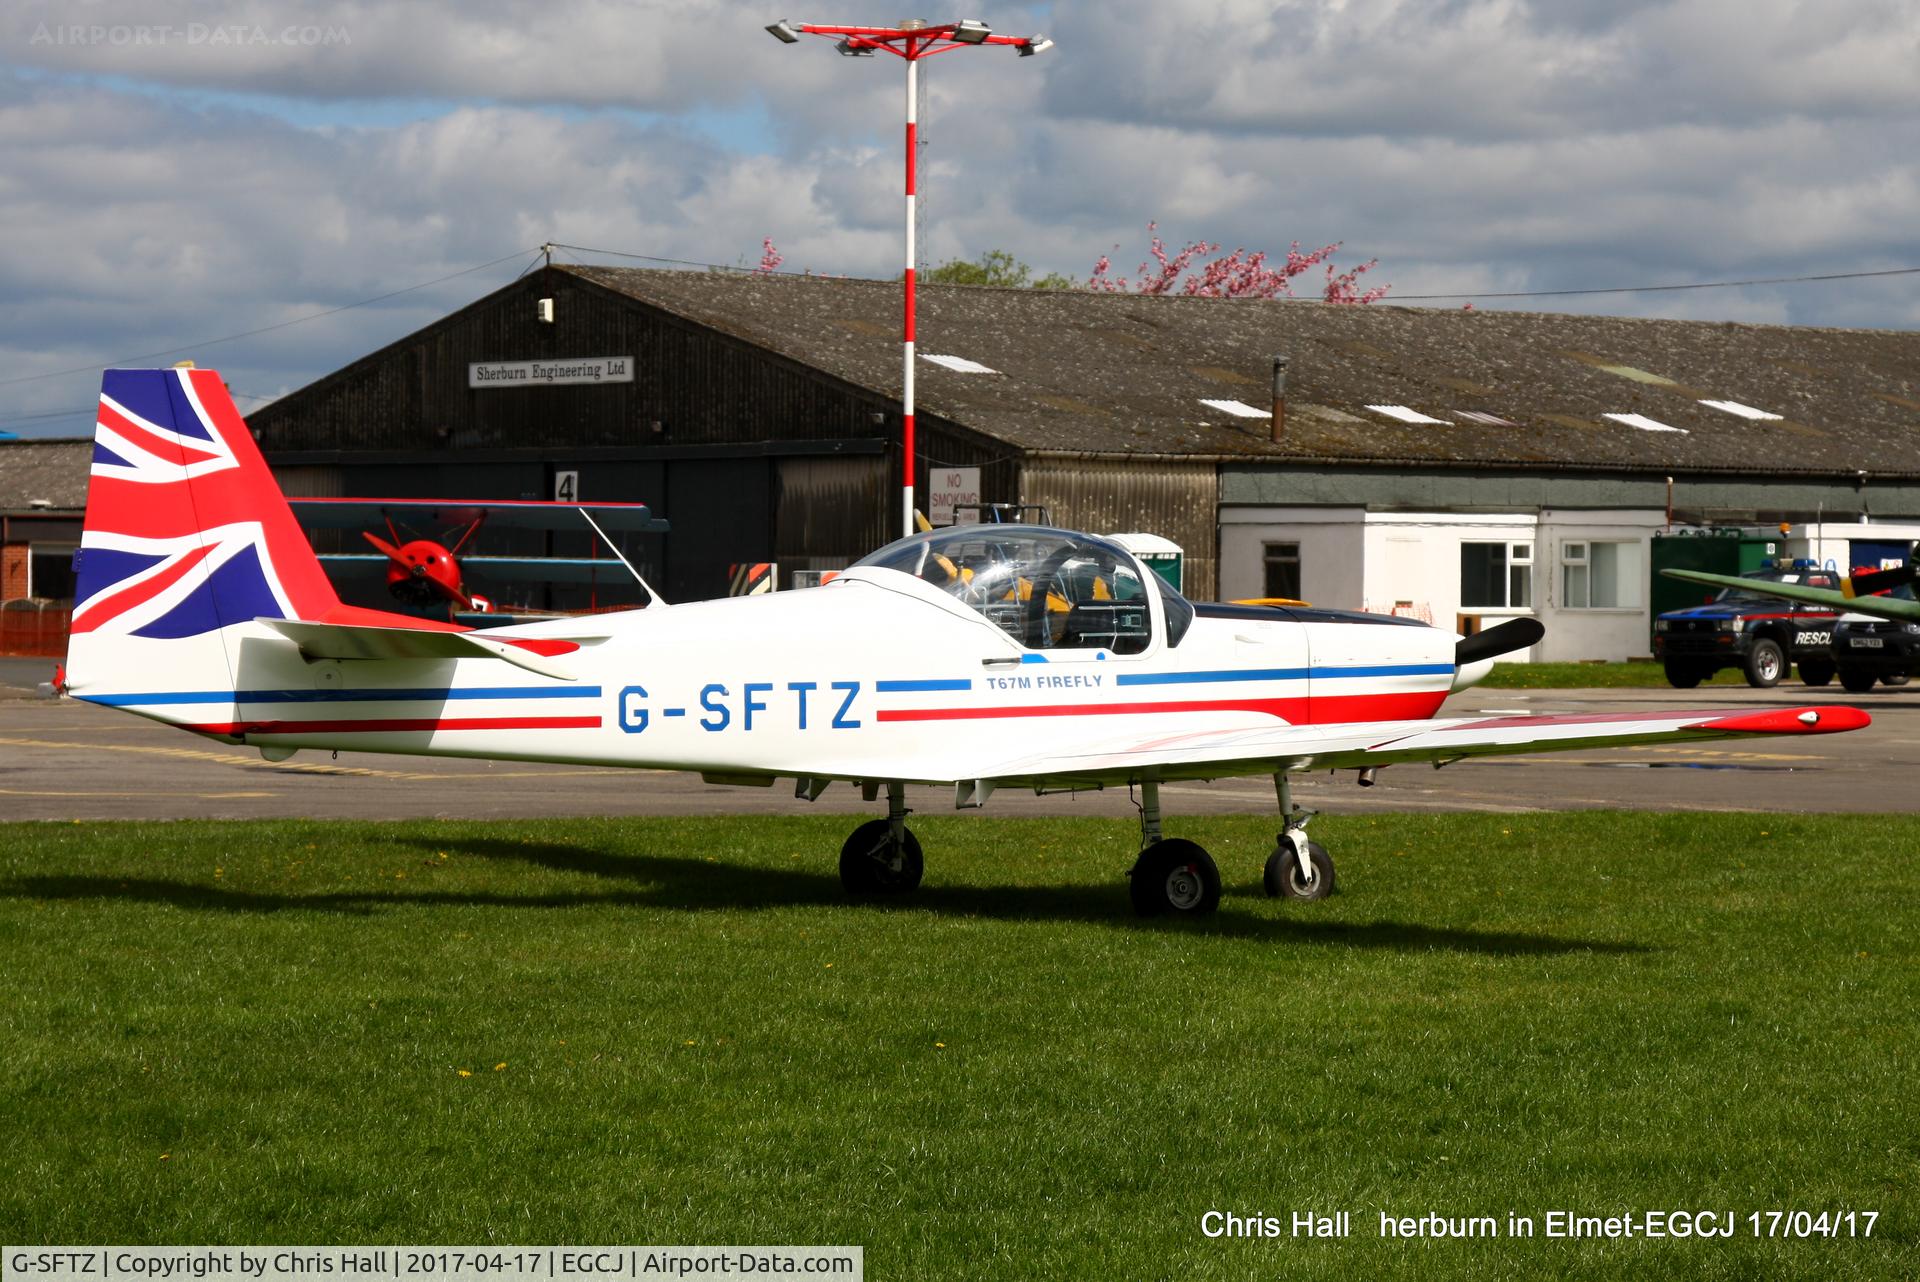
{"x": 1047, "y": 588}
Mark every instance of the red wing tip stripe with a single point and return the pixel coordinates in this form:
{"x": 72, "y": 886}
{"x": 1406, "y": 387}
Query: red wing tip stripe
{"x": 1831, "y": 720}
{"x": 413, "y": 725}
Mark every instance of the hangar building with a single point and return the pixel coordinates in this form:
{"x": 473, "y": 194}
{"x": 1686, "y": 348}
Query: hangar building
{"x": 1459, "y": 466}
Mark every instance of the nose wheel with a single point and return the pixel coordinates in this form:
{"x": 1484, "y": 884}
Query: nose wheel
{"x": 1285, "y": 875}
{"x": 1297, "y": 868}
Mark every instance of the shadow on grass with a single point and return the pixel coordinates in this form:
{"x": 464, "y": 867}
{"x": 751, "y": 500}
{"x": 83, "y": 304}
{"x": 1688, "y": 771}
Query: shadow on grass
{"x": 684, "y": 884}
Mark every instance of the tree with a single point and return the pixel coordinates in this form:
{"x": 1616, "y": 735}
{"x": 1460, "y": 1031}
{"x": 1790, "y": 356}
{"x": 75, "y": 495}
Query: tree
{"x": 1235, "y": 275}
{"x": 994, "y": 267}
{"x": 1189, "y": 272}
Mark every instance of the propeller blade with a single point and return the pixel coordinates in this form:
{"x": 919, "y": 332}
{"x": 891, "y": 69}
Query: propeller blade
{"x": 1878, "y": 581}
{"x": 385, "y": 548}
{"x": 1514, "y": 634}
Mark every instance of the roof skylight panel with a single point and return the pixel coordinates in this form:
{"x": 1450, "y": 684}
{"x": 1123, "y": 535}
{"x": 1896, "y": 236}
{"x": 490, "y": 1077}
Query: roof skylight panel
{"x": 958, "y": 364}
{"x": 1744, "y": 411}
{"x": 1240, "y": 409}
{"x": 1644, "y": 423}
{"x": 1406, "y": 415}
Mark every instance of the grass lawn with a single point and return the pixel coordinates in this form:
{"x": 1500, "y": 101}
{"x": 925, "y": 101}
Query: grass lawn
{"x": 1599, "y": 676}
{"x": 675, "y": 1031}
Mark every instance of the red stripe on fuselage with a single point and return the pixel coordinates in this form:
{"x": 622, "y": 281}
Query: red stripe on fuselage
{"x": 1320, "y": 710}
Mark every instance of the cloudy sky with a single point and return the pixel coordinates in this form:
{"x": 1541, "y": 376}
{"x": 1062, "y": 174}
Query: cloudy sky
{"x": 178, "y": 171}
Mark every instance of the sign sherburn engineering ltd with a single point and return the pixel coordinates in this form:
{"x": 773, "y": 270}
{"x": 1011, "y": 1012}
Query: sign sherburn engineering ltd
{"x": 566, "y": 371}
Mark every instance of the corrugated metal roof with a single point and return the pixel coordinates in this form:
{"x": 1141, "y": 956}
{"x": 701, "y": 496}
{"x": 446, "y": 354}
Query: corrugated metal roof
{"x": 1119, "y": 374}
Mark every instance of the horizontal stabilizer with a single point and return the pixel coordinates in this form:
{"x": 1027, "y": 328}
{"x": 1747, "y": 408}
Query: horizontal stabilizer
{"x": 353, "y": 641}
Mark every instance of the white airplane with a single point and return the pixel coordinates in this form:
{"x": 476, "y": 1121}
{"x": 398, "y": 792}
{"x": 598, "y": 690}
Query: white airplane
{"x": 977, "y": 658}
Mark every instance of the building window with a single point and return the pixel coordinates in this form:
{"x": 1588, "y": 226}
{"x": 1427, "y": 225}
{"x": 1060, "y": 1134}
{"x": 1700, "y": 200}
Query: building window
{"x": 1496, "y": 576}
{"x": 50, "y": 571}
{"x": 1600, "y": 576}
{"x": 1283, "y": 570}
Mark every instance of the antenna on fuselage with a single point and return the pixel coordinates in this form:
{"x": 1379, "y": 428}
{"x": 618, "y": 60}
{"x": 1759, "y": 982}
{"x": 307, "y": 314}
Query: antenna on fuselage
{"x": 654, "y": 597}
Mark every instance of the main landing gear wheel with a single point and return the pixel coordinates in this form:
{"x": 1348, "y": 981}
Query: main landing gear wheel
{"x": 873, "y": 865}
{"x": 1283, "y": 876}
{"x": 1176, "y": 878}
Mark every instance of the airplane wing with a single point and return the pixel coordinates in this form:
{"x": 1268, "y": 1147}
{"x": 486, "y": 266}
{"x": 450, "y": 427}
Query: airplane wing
{"x": 1354, "y": 745}
{"x": 501, "y": 569}
{"x": 523, "y": 514}
{"x": 1849, "y": 596}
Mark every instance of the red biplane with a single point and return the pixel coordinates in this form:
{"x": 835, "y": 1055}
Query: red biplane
{"x": 426, "y": 572}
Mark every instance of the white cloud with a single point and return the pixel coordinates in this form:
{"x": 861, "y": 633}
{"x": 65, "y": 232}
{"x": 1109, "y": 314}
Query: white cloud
{"x": 164, "y": 191}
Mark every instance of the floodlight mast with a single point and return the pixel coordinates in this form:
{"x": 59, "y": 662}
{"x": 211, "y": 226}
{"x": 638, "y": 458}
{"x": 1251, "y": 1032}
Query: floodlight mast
{"x": 911, "y": 40}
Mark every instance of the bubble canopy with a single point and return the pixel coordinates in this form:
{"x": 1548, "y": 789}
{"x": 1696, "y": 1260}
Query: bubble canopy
{"x": 1048, "y": 589}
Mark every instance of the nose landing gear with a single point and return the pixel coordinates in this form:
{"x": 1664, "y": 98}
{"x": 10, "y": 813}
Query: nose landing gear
{"x": 1297, "y": 868}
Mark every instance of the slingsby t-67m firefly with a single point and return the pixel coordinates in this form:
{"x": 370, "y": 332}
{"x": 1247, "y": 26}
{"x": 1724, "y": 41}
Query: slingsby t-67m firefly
{"x": 977, "y": 658}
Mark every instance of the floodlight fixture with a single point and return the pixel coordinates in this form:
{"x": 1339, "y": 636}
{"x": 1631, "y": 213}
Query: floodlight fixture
{"x": 848, "y": 49}
{"x": 1035, "y": 44}
{"x": 783, "y": 32}
{"x": 970, "y": 31}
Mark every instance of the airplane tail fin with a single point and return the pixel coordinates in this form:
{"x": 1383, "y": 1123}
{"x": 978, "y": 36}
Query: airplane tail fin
{"x": 186, "y": 535}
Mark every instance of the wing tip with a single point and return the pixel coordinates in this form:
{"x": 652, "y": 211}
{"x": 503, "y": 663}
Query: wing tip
{"x": 1827, "y": 720}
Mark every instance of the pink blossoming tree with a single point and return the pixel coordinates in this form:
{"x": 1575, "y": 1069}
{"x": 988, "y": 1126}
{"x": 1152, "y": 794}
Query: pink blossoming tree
{"x": 1192, "y": 272}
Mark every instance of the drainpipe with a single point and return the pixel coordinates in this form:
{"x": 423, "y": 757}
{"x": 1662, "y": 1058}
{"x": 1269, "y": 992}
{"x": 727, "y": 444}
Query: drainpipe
{"x": 1279, "y": 397}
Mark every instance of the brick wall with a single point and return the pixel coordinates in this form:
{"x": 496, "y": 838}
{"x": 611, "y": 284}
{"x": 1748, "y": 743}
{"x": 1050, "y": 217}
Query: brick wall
{"x": 13, "y": 571}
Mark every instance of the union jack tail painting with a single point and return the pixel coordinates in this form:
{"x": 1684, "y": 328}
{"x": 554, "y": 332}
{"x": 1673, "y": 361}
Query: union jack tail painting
{"x": 186, "y": 538}
{"x": 186, "y": 532}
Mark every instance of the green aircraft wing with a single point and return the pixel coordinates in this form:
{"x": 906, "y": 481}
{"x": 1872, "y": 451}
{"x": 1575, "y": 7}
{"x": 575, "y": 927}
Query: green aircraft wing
{"x": 1846, "y": 597}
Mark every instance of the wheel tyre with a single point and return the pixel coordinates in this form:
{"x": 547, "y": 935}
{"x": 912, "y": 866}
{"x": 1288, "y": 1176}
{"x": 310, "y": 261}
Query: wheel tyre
{"x": 1174, "y": 878}
{"x": 1816, "y": 672}
{"x": 1283, "y": 873}
{"x": 872, "y": 867}
{"x": 1856, "y": 681}
{"x": 1897, "y": 679}
{"x": 1683, "y": 676}
{"x": 1766, "y": 664}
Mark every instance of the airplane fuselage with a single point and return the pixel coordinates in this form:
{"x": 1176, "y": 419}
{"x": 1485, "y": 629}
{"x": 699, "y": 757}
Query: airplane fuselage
{"x": 876, "y": 675}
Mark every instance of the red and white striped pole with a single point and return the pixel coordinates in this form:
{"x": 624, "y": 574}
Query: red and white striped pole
{"x": 907, "y": 461}
{"x": 912, "y": 41}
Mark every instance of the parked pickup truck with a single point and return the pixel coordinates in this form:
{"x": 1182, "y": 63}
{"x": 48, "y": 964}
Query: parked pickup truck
{"x": 1760, "y": 635}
